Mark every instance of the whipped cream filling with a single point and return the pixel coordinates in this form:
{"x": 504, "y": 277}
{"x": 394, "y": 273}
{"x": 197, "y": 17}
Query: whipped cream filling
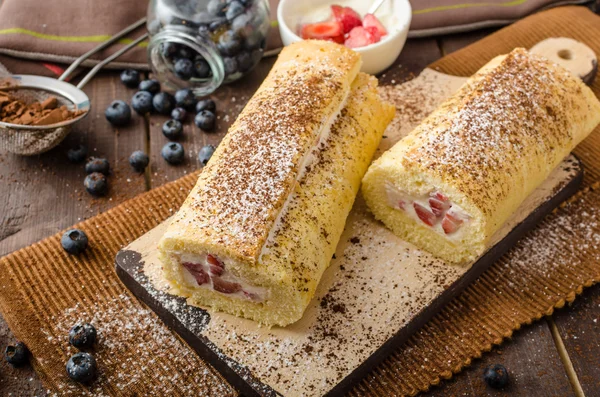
{"x": 209, "y": 271}
{"x": 405, "y": 202}
{"x": 309, "y": 158}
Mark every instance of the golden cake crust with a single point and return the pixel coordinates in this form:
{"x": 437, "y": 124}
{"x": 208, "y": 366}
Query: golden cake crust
{"x": 241, "y": 191}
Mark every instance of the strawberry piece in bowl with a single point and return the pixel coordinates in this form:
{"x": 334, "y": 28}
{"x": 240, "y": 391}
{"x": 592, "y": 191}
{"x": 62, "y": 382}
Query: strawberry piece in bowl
{"x": 360, "y": 37}
{"x": 328, "y": 30}
{"x": 371, "y": 21}
{"x": 347, "y": 17}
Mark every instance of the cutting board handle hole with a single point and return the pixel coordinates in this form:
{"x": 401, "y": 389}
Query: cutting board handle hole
{"x": 565, "y": 54}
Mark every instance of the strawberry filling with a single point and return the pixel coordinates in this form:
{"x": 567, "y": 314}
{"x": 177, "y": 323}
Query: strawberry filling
{"x": 208, "y": 271}
{"x": 435, "y": 210}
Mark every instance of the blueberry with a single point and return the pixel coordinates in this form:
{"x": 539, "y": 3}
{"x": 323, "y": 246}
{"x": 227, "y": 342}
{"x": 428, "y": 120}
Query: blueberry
{"x": 206, "y": 104}
{"x": 82, "y": 367}
{"x": 205, "y": 154}
{"x": 201, "y": 68}
{"x": 141, "y": 102}
{"x": 185, "y": 52}
{"x": 152, "y": 86}
{"x": 96, "y": 184}
{"x": 172, "y": 129}
{"x": 184, "y": 68}
{"x": 217, "y": 25}
{"x": 246, "y": 3}
{"x": 130, "y": 77}
{"x": 82, "y": 336}
{"x": 242, "y": 24}
{"x": 17, "y": 354}
{"x": 205, "y": 120}
{"x": 185, "y": 98}
{"x": 178, "y": 114}
{"x": 139, "y": 160}
{"x": 97, "y": 164}
{"x": 254, "y": 40}
{"x": 217, "y": 7}
{"x": 231, "y": 66}
{"x": 244, "y": 61}
{"x": 163, "y": 103}
{"x": 229, "y": 43}
{"x": 234, "y": 9}
{"x": 74, "y": 241}
{"x": 169, "y": 50}
{"x": 77, "y": 154}
{"x": 172, "y": 152}
{"x": 495, "y": 376}
{"x": 118, "y": 113}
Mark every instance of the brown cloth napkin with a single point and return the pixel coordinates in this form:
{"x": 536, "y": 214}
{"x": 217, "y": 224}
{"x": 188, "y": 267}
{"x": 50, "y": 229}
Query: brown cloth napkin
{"x": 43, "y": 291}
{"x": 59, "y": 31}
{"x": 436, "y": 17}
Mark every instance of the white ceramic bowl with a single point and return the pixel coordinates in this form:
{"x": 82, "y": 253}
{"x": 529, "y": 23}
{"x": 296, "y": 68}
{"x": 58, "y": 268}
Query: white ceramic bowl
{"x": 394, "y": 14}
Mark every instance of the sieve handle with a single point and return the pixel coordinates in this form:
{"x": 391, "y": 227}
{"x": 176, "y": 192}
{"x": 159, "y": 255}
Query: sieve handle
{"x": 100, "y": 47}
{"x": 111, "y": 58}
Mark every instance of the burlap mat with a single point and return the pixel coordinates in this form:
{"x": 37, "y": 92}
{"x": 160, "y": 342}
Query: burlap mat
{"x": 43, "y": 291}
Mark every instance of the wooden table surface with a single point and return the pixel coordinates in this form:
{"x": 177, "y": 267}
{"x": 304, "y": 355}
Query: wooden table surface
{"x": 557, "y": 356}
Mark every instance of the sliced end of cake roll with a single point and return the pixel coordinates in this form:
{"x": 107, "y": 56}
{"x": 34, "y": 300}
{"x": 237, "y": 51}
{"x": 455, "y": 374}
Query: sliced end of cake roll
{"x": 455, "y": 180}
{"x": 259, "y": 228}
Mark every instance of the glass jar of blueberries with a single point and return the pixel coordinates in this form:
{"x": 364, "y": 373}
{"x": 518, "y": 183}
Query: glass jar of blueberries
{"x": 201, "y": 44}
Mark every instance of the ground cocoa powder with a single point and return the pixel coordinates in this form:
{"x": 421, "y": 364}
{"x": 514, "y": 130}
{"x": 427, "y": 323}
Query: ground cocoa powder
{"x": 47, "y": 112}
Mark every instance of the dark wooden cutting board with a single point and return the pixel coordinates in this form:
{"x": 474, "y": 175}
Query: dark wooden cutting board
{"x": 377, "y": 292}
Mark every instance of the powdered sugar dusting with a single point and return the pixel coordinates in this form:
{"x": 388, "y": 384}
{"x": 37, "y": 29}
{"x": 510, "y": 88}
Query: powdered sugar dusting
{"x": 134, "y": 346}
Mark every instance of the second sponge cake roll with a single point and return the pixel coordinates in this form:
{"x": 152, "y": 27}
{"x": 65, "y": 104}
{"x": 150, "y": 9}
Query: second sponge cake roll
{"x": 454, "y": 180}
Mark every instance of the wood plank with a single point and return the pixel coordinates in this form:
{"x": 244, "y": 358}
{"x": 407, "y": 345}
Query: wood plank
{"x": 578, "y": 324}
{"x": 533, "y": 363}
{"x": 44, "y": 194}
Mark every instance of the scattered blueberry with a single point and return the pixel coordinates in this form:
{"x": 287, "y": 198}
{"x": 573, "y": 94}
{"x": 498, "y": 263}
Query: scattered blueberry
{"x": 246, "y": 3}
{"x": 163, "y": 103}
{"x": 169, "y": 50}
{"x": 17, "y": 354}
{"x": 185, "y": 98}
{"x": 495, "y": 376}
{"x": 234, "y": 9}
{"x": 74, "y": 241}
{"x": 172, "y": 152}
{"x": 229, "y": 43}
{"x": 139, "y": 160}
{"x": 244, "y": 61}
{"x": 185, "y": 52}
{"x": 184, "y": 68}
{"x": 204, "y": 30}
{"x": 152, "y": 86}
{"x": 130, "y": 77}
{"x": 118, "y": 113}
{"x": 141, "y": 102}
{"x": 206, "y": 104}
{"x": 230, "y": 65}
{"x": 205, "y": 154}
{"x": 82, "y": 367}
{"x": 201, "y": 68}
{"x": 96, "y": 184}
{"x": 172, "y": 129}
{"x": 97, "y": 164}
{"x": 82, "y": 336}
{"x": 217, "y": 7}
{"x": 178, "y": 114}
{"x": 205, "y": 120}
{"x": 77, "y": 154}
